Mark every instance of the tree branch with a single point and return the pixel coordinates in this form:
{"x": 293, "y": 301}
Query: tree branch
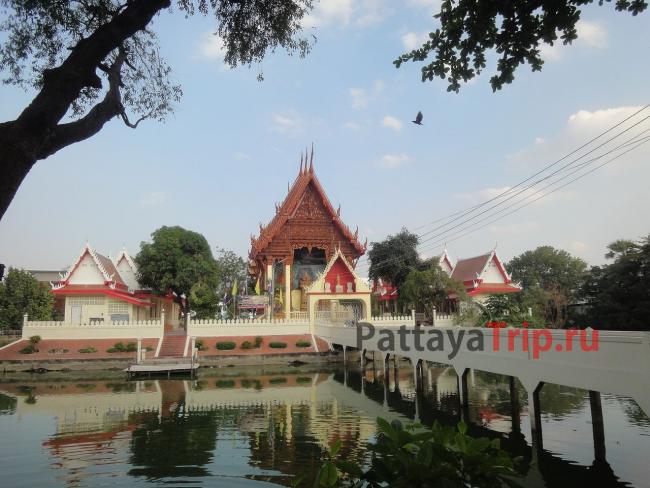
{"x": 89, "y": 125}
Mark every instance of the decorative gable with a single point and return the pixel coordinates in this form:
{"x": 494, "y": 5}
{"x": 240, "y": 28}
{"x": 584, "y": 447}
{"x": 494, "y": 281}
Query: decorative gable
{"x": 338, "y": 277}
{"x": 127, "y": 270}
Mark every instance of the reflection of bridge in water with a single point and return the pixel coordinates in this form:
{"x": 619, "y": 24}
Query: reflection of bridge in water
{"x": 377, "y": 393}
{"x": 621, "y": 366}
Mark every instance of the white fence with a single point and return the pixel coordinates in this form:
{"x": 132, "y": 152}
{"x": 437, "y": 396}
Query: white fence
{"x": 246, "y": 327}
{"x": 140, "y": 329}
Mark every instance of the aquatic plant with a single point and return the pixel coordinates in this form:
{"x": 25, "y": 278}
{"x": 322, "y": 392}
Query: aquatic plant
{"x": 413, "y": 456}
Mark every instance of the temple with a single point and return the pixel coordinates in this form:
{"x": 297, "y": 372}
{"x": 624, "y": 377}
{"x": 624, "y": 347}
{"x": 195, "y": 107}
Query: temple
{"x": 293, "y": 250}
{"x": 483, "y": 276}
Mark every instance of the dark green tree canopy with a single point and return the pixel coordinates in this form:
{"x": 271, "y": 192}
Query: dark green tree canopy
{"x": 20, "y": 293}
{"x": 551, "y": 280}
{"x": 231, "y": 268}
{"x": 91, "y": 61}
{"x": 394, "y": 257}
{"x": 180, "y": 261}
{"x": 429, "y": 287}
{"x": 620, "y": 291}
{"x": 515, "y": 30}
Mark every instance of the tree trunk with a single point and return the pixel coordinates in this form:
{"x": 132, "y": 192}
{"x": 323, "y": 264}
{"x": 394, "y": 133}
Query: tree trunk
{"x": 37, "y": 132}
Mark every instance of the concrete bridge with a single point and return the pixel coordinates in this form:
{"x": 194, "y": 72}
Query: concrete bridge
{"x": 617, "y": 363}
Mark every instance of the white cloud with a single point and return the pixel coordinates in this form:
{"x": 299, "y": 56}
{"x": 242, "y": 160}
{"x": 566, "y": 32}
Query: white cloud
{"x": 153, "y": 199}
{"x": 394, "y": 160}
{"x": 591, "y": 34}
{"x": 362, "y": 13}
{"x": 211, "y": 47}
{"x": 431, "y": 5}
{"x": 288, "y": 122}
{"x": 412, "y": 40}
{"x": 392, "y": 123}
{"x": 359, "y": 98}
{"x": 599, "y": 120}
{"x": 353, "y": 126}
{"x": 241, "y": 156}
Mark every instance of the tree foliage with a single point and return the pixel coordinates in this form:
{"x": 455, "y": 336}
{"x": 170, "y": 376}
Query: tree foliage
{"x": 231, "y": 268}
{"x": 20, "y": 294}
{"x": 393, "y": 258}
{"x": 551, "y": 279}
{"x": 619, "y": 292}
{"x": 515, "y": 31}
{"x": 91, "y": 61}
{"x": 429, "y": 287}
{"x": 180, "y": 261}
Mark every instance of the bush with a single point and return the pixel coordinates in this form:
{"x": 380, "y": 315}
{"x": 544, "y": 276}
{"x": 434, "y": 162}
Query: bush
{"x": 35, "y": 339}
{"x": 29, "y": 349}
{"x": 118, "y": 347}
{"x": 225, "y": 383}
{"x": 303, "y": 343}
{"x": 246, "y": 345}
{"x": 277, "y": 345}
{"x": 258, "y": 342}
{"x": 57, "y": 351}
{"x": 200, "y": 345}
{"x": 225, "y": 346}
{"x": 301, "y": 380}
{"x": 88, "y": 350}
{"x": 131, "y": 347}
{"x": 415, "y": 456}
{"x": 277, "y": 381}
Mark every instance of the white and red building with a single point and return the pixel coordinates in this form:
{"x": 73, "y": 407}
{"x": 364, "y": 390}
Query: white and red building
{"x": 483, "y": 276}
{"x": 97, "y": 289}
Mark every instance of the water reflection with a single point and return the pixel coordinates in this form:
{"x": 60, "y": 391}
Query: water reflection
{"x": 235, "y": 428}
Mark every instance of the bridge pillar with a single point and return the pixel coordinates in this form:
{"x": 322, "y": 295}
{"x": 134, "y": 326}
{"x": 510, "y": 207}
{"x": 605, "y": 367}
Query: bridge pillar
{"x": 535, "y": 416}
{"x": 344, "y": 350}
{"x": 386, "y": 368}
{"x": 514, "y": 405}
{"x": 463, "y": 391}
{"x": 597, "y": 425}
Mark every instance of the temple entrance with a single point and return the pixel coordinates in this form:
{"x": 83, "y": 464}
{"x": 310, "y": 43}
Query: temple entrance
{"x": 308, "y": 264}
{"x": 340, "y": 312}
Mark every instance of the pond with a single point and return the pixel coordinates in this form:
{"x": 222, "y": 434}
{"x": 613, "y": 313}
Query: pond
{"x": 262, "y": 427}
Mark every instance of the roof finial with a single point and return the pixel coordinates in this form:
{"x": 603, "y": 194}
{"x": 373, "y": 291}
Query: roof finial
{"x": 338, "y": 211}
{"x": 300, "y": 172}
{"x": 495, "y": 246}
{"x": 311, "y": 159}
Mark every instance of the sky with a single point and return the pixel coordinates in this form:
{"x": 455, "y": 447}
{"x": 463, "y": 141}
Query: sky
{"x": 220, "y": 163}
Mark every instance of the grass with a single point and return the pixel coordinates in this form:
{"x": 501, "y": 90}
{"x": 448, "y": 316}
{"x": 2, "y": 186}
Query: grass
{"x": 303, "y": 343}
{"x": 87, "y": 350}
{"x": 278, "y": 345}
{"x": 225, "y": 346}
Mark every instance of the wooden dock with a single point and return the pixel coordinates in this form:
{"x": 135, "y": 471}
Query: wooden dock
{"x": 157, "y": 368}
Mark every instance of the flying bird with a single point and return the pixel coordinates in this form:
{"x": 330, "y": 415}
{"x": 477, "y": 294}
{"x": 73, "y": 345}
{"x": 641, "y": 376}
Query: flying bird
{"x": 418, "y": 119}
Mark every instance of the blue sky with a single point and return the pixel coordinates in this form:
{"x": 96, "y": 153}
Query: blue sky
{"x": 222, "y": 160}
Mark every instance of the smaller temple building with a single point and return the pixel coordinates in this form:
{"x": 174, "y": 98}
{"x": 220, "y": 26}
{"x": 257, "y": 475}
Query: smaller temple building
{"x": 97, "y": 289}
{"x": 483, "y": 276}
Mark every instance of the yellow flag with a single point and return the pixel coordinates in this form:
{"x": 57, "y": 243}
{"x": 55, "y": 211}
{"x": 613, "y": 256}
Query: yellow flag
{"x": 281, "y": 298}
{"x": 257, "y": 287}
{"x": 234, "y": 288}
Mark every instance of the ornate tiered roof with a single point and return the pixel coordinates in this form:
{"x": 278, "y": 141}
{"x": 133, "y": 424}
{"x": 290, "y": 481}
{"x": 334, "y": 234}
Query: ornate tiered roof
{"x": 306, "y": 218}
{"x": 473, "y": 273}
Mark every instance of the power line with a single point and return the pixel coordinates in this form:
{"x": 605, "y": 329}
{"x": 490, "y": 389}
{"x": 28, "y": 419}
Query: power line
{"x": 636, "y": 143}
{"x": 559, "y": 170}
{"x": 540, "y": 171}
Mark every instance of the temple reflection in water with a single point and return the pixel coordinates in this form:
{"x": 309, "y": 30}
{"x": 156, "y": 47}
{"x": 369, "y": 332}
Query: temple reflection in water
{"x": 272, "y": 426}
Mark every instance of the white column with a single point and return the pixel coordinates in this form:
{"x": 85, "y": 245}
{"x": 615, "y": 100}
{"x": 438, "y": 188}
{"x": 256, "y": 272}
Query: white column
{"x": 287, "y": 291}
{"x": 139, "y": 353}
